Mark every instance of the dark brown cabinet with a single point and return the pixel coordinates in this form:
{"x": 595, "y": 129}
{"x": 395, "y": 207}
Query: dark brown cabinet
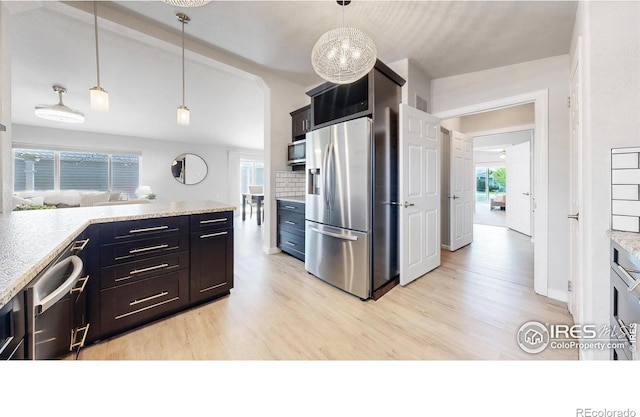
{"x": 291, "y": 228}
{"x": 151, "y": 268}
{"x": 211, "y": 256}
{"x": 12, "y": 329}
{"x": 300, "y": 123}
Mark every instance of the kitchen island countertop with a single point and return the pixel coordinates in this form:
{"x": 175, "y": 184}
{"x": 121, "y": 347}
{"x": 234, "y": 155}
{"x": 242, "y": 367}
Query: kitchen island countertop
{"x": 627, "y": 240}
{"x": 31, "y": 239}
{"x": 297, "y": 199}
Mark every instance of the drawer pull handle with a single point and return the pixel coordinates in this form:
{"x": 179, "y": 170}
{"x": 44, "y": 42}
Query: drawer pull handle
{"x": 74, "y": 337}
{"x": 140, "y": 310}
{"x": 80, "y": 289}
{"x": 213, "y": 221}
{"x": 290, "y": 243}
{"x": 151, "y": 268}
{"x": 212, "y": 235}
{"x": 148, "y": 229}
{"x": 164, "y": 245}
{"x": 80, "y": 244}
{"x": 162, "y": 294}
{"x": 290, "y": 207}
{"x": 213, "y": 287}
{"x": 290, "y": 222}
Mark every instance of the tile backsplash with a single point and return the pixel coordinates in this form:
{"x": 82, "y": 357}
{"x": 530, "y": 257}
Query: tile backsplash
{"x": 290, "y": 183}
{"x": 625, "y": 189}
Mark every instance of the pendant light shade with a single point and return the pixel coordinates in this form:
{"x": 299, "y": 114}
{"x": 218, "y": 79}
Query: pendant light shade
{"x": 344, "y": 55}
{"x": 59, "y": 112}
{"x": 183, "y": 112}
{"x": 187, "y": 3}
{"x": 98, "y": 95}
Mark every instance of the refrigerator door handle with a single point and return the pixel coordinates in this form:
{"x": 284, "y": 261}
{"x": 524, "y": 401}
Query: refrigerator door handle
{"x": 336, "y": 235}
{"x": 325, "y": 176}
{"x": 332, "y": 190}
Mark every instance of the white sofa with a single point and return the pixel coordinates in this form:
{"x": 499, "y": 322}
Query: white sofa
{"x": 70, "y": 198}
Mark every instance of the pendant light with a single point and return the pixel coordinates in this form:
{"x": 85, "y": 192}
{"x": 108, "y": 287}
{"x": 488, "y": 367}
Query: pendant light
{"x": 99, "y": 97}
{"x": 187, "y": 3}
{"x": 343, "y": 55}
{"x": 59, "y": 112}
{"x": 183, "y": 111}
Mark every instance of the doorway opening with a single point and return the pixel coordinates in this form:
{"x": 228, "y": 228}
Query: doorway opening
{"x": 495, "y": 129}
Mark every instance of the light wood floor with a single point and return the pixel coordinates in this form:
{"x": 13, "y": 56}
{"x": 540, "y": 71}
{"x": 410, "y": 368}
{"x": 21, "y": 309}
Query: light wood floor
{"x": 469, "y": 308}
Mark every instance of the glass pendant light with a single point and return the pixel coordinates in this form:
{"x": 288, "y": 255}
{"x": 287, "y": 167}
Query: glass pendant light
{"x": 98, "y": 95}
{"x": 343, "y": 55}
{"x": 59, "y": 112}
{"x": 183, "y": 111}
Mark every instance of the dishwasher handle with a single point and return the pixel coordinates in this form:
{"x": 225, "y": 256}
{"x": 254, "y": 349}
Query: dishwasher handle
{"x": 56, "y": 295}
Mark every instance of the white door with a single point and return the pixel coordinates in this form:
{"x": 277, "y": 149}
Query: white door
{"x": 575, "y": 184}
{"x": 518, "y": 202}
{"x": 461, "y": 190}
{"x": 419, "y": 193}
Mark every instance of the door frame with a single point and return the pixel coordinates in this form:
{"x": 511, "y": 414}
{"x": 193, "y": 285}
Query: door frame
{"x": 540, "y": 237}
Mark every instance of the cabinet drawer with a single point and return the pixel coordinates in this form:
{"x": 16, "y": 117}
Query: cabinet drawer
{"x": 129, "y": 251}
{"x": 211, "y": 221}
{"x": 139, "y": 302}
{"x": 142, "y": 269}
{"x": 291, "y": 206}
{"x": 291, "y": 222}
{"x": 292, "y": 244}
{"x": 144, "y": 228}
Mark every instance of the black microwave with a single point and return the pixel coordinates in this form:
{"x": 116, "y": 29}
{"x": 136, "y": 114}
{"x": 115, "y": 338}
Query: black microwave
{"x": 297, "y": 152}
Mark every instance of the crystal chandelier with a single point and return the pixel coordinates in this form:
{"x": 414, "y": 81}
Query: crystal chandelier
{"x": 343, "y": 55}
{"x": 187, "y": 3}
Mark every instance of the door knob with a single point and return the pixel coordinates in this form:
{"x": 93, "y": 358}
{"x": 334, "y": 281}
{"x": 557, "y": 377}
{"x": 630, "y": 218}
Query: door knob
{"x": 407, "y": 204}
{"x": 574, "y": 216}
{"x": 525, "y": 193}
{"x": 454, "y": 197}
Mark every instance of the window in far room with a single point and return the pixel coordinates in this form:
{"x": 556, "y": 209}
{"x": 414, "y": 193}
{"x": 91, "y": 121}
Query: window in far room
{"x": 36, "y": 170}
{"x": 251, "y": 173}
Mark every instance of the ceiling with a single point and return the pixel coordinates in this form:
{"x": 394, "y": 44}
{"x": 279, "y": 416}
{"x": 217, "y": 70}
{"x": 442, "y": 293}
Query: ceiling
{"x": 442, "y": 38}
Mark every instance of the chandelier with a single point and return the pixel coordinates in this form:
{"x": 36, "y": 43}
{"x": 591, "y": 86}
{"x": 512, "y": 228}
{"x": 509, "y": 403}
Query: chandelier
{"x": 343, "y": 55}
{"x": 187, "y": 3}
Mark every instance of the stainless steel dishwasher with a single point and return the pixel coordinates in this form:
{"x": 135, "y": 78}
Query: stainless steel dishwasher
{"x": 55, "y": 300}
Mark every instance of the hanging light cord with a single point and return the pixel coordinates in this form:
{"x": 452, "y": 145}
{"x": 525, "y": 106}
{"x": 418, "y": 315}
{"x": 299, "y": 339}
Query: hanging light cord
{"x": 95, "y": 25}
{"x": 182, "y": 20}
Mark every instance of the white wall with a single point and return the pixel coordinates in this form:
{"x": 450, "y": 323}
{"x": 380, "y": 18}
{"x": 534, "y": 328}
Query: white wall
{"x": 417, "y": 82}
{"x": 484, "y": 86}
{"x": 610, "y": 102}
{"x": 522, "y": 115}
{"x": 157, "y": 156}
{"x": 6, "y": 171}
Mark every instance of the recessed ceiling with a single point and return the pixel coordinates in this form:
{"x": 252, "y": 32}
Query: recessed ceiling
{"x": 442, "y": 38}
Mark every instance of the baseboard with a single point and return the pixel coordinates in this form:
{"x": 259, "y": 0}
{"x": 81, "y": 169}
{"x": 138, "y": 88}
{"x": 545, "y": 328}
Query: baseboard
{"x": 447, "y": 247}
{"x": 557, "y": 295}
{"x": 271, "y": 251}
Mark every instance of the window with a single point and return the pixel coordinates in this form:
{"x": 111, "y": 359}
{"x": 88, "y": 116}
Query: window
{"x": 251, "y": 173}
{"x": 69, "y": 170}
{"x": 489, "y": 183}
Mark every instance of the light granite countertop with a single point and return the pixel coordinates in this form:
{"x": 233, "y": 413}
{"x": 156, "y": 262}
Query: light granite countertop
{"x": 298, "y": 199}
{"x": 628, "y": 240}
{"x": 31, "y": 239}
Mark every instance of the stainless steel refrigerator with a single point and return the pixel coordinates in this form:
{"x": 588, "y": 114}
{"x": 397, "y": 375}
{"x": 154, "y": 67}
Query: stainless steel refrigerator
{"x": 351, "y": 227}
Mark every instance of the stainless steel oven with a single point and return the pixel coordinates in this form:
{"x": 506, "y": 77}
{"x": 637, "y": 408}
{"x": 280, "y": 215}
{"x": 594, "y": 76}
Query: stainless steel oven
{"x": 55, "y": 306}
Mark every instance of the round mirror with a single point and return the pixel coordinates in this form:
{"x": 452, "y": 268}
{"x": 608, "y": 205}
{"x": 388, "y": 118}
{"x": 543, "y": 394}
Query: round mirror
{"x": 189, "y": 169}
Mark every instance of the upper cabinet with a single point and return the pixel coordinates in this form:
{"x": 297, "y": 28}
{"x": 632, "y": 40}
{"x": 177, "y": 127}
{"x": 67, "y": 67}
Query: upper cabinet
{"x": 300, "y": 123}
